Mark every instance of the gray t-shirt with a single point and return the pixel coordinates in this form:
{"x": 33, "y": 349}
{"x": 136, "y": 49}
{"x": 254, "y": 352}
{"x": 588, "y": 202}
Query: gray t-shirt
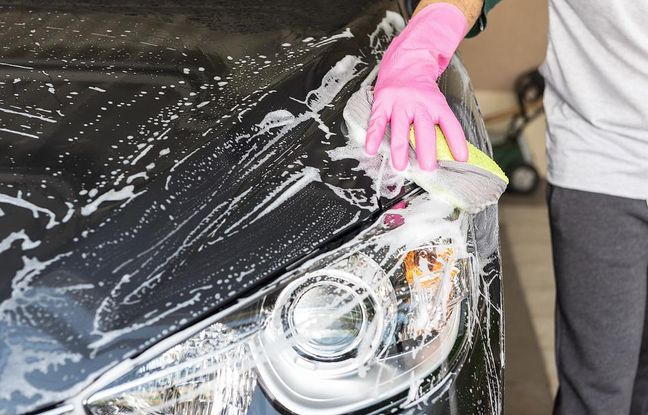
{"x": 596, "y": 98}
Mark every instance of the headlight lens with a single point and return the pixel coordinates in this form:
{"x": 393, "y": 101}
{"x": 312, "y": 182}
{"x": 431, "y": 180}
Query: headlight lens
{"x": 318, "y": 336}
{"x": 389, "y": 313}
{"x": 325, "y": 316}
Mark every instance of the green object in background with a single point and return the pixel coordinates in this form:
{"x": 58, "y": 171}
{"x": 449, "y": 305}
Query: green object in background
{"x": 510, "y": 150}
{"x": 508, "y": 154}
{"x": 522, "y": 174}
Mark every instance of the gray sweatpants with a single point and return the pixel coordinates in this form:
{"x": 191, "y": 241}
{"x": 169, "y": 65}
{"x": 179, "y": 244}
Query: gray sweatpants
{"x": 600, "y": 251}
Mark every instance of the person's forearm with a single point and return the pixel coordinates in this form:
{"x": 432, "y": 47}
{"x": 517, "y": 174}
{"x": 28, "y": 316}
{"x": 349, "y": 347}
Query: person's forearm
{"x": 470, "y": 8}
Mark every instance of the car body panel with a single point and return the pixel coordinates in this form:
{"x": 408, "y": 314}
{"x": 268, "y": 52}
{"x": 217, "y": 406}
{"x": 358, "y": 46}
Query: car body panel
{"x": 157, "y": 163}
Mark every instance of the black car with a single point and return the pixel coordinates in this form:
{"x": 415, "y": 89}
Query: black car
{"x": 186, "y": 227}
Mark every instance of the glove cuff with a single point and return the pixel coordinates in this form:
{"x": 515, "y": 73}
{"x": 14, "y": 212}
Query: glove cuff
{"x": 439, "y": 28}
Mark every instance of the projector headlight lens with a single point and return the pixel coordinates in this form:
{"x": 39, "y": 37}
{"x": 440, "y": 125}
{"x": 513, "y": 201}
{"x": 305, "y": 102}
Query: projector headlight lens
{"x": 388, "y": 314}
{"x": 326, "y": 319}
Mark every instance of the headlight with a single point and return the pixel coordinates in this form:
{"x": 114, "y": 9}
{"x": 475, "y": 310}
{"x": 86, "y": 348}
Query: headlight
{"x": 388, "y": 314}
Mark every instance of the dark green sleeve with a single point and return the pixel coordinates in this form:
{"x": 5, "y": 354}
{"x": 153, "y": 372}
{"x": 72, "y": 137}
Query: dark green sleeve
{"x": 480, "y": 24}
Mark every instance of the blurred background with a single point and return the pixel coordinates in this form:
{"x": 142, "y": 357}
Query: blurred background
{"x": 513, "y": 44}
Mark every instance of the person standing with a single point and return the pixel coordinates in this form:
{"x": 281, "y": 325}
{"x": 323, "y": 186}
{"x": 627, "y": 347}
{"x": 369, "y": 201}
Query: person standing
{"x": 596, "y": 103}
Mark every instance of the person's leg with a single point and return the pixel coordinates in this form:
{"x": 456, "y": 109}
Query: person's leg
{"x": 640, "y": 390}
{"x": 600, "y": 250}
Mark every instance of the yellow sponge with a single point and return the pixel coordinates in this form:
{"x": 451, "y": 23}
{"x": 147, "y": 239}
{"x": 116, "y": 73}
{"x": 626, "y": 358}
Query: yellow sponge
{"x": 476, "y": 157}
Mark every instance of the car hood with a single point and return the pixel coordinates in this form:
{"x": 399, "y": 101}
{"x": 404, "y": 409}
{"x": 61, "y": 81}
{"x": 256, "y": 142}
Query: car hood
{"x": 159, "y": 163}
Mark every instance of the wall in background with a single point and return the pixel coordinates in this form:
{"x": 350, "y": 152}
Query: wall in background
{"x": 515, "y": 40}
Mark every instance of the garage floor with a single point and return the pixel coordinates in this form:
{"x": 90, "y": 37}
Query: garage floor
{"x": 529, "y": 301}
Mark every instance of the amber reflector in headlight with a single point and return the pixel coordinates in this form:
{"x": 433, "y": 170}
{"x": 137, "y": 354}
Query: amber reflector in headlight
{"x": 388, "y": 314}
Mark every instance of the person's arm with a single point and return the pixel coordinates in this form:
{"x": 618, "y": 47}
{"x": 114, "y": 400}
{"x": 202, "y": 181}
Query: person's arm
{"x": 471, "y": 9}
{"x": 406, "y": 90}
{"x": 475, "y": 11}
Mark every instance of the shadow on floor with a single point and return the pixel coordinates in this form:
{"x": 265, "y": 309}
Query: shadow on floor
{"x": 527, "y": 388}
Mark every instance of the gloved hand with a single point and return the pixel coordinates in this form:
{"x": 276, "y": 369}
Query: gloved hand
{"x": 406, "y": 90}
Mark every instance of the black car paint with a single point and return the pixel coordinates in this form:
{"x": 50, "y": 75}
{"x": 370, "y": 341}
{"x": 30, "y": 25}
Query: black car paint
{"x": 105, "y": 285}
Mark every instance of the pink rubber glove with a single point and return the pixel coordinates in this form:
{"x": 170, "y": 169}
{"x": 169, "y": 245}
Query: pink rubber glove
{"x": 406, "y": 90}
